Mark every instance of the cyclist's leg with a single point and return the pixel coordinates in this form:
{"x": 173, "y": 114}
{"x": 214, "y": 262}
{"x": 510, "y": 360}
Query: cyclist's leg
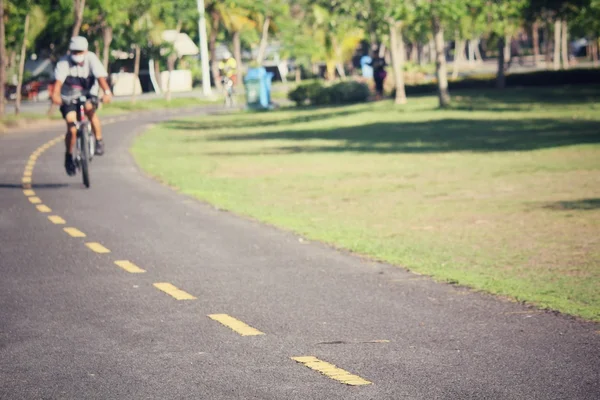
{"x": 90, "y": 111}
{"x": 71, "y": 136}
{"x": 70, "y": 140}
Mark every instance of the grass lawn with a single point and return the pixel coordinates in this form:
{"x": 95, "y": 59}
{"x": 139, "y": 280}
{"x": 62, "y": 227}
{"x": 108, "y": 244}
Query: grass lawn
{"x": 500, "y": 193}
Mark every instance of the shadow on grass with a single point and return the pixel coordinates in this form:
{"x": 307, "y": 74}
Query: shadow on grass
{"x": 431, "y": 136}
{"x": 582, "y": 204}
{"x": 525, "y": 99}
{"x": 243, "y": 121}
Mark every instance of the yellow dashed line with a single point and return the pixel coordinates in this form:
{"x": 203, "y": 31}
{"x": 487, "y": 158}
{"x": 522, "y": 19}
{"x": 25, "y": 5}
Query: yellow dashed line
{"x": 26, "y": 179}
{"x": 27, "y": 173}
{"x": 56, "y": 219}
{"x": 174, "y": 291}
{"x": 97, "y": 247}
{"x": 74, "y": 232}
{"x": 129, "y": 266}
{"x": 331, "y": 371}
{"x": 236, "y": 325}
{"x": 35, "y": 200}
{"x": 43, "y": 208}
{"x": 28, "y": 192}
{"x": 26, "y": 186}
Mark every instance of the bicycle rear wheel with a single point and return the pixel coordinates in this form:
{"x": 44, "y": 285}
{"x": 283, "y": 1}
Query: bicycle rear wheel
{"x": 84, "y": 136}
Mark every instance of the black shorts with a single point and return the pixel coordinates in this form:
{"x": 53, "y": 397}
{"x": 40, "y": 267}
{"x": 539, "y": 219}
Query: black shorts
{"x": 67, "y": 108}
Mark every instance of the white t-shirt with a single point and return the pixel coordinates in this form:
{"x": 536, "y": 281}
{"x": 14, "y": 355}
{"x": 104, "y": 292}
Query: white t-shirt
{"x": 67, "y": 68}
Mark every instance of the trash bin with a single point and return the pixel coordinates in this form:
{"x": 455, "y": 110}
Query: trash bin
{"x": 258, "y": 88}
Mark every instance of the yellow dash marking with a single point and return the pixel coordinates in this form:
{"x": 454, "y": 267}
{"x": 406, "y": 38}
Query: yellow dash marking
{"x": 56, "y": 219}
{"x": 129, "y": 266}
{"x": 35, "y": 200}
{"x": 235, "y": 324}
{"x": 26, "y": 179}
{"x": 74, "y": 232}
{"x": 331, "y": 371}
{"x": 28, "y": 192}
{"x": 43, "y": 208}
{"x": 97, "y": 247}
{"x": 26, "y": 186}
{"x": 173, "y": 291}
{"x": 27, "y": 173}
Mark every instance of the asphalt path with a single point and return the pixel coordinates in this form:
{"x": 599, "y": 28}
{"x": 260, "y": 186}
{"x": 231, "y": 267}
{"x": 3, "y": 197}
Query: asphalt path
{"x": 264, "y": 314}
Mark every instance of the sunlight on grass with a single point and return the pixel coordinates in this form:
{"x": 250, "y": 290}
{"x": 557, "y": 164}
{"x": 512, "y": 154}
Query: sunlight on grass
{"x": 501, "y": 192}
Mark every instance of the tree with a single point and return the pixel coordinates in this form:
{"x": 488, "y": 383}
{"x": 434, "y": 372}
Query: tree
{"x": 78, "y": 9}
{"x": 29, "y": 33}
{"x": 441, "y": 12}
{"x": 2, "y": 58}
{"x": 394, "y": 13}
{"x": 505, "y": 17}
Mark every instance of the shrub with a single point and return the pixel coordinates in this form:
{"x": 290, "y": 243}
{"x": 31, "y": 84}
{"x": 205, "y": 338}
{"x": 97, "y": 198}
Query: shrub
{"x": 527, "y": 79}
{"x": 339, "y": 93}
{"x": 299, "y": 95}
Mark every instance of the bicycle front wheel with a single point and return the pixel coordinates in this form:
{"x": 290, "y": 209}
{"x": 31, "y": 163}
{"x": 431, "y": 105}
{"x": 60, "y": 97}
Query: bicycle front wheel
{"x": 84, "y": 136}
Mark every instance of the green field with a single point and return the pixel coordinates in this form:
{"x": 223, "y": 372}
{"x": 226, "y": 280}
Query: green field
{"x": 500, "y": 193}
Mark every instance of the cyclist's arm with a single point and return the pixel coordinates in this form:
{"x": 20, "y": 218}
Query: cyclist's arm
{"x": 61, "y": 71}
{"x": 100, "y": 73}
{"x": 56, "y": 98}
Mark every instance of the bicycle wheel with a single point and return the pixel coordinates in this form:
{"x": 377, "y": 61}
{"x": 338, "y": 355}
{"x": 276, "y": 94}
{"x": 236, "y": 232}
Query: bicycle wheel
{"x": 84, "y": 134}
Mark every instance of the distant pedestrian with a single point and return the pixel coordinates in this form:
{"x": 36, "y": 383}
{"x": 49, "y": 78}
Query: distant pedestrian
{"x": 379, "y": 75}
{"x": 366, "y": 66}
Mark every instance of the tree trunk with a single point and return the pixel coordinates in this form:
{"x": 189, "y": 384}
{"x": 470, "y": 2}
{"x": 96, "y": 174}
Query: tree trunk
{"x": 2, "y": 59}
{"x": 557, "y": 37}
{"x": 382, "y": 50}
{"x": 212, "y": 45}
{"x": 136, "y": 73}
{"x": 22, "y": 65}
{"x": 535, "y": 34}
{"x": 431, "y": 51}
{"x": 440, "y": 63}
{"x": 458, "y": 49}
{"x": 500, "y": 77}
{"x": 506, "y": 50}
{"x": 420, "y": 53}
{"x": 471, "y": 52}
{"x": 237, "y": 53}
{"x": 12, "y": 60}
{"x": 107, "y": 37}
{"x": 565, "y": 44}
{"x": 298, "y": 74}
{"x": 171, "y": 59}
{"x": 264, "y": 40}
{"x": 478, "y": 56}
{"x": 97, "y": 45}
{"x": 397, "y": 50}
{"x": 414, "y": 53}
{"x": 595, "y": 46}
{"x": 547, "y": 45}
{"x": 157, "y": 75}
{"x": 79, "y": 6}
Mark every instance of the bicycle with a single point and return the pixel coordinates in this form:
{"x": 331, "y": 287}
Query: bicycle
{"x": 86, "y": 144}
{"x": 228, "y": 91}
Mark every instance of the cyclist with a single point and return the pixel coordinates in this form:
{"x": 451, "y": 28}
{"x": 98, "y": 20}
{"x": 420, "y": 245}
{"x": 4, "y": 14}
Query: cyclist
{"x": 79, "y": 73}
{"x": 228, "y": 68}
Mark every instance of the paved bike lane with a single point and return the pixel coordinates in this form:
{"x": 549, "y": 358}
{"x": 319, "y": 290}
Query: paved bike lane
{"x": 405, "y": 335}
